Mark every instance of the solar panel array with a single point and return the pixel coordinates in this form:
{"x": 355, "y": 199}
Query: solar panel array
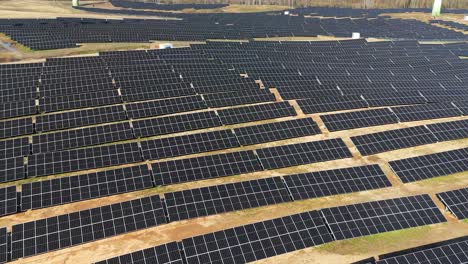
{"x": 456, "y": 202}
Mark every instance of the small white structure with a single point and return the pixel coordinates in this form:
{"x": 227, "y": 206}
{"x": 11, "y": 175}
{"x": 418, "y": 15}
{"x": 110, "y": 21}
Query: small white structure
{"x": 286, "y": 13}
{"x": 76, "y": 3}
{"x": 166, "y": 46}
{"x": 356, "y": 35}
{"x": 466, "y": 18}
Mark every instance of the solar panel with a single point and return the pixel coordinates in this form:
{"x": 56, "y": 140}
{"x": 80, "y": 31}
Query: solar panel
{"x": 8, "y": 201}
{"x": 255, "y": 113}
{"x": 157, "y": 92}
{"x": 453, "y": 251}
{"x": 463, "y": 106}
{"x": 79, "y": 118}
{"x": 12, "y": 169}
{"x": 64, "y": 190}
{"x": 205, "y": 167}
{"x": 337, "y": 181}
{"x": 17, "y": 147}
{"x": 82, "y": 159}
{"x": 252, "y": 135}
{"x": 169, "y": 253}
{"x": 257, "y": 241}
{"x": 188, "y": 144}
{"x": 449, "y": 130}
{"x": 303, "y": 153}
{"x": 16, "y": 127}
{"x": 75, "y": 101}
{"x": 370, "y": 144}
{"x": 394, "y": 98}
{"x": 82, "y": 137}
{"x": 18, "y": 108}
{"x": 165, "y": 106}
{"x": 67, "y": 230}
{"x": 358, "y": 119}
{"x": 430, "y": 166}
{"x": 4, "y": 245}
{"x": 456, "y": 202}
{"x": 175, "y": 124}
{"x": 363, "y": 219}
{"x": 330, "y": 104}
{"x": 225, "y": 198}
{"x": 424, "y": 112}
{"x": 238, "y": 98}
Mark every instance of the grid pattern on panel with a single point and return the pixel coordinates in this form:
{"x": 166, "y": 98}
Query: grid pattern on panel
{"x": 82, "y": 137}
{"x": 225, "y": 198}
{"x": 395, "y": 98}
{"x": 188, "y": 144}
{"x": 330, "y": 104}
{"x": 62, "y": 231}
{"x": 337, "y": 181}
{"x": 259, "y": 240}
{"x": 75, "y": 101}
{"x": 255, "y": 113}
{"x": 363, "y": 219}
{"x": 80, "y": 118}
{"x": 163, "y": 254}
{"x": 14, "y": 148}
{"x": 251, "y": 135}
{"x": 303, "y": 153}
{"x": 463, "y": 106}
{"x": 83, "y": 159}
{"x": 18, "y": 108}
{"x": 12, "y": 169}
{"x": 175, "y": 124}
{"x": 205, "y": 167}
{"x": 143, "y": 94}
{"x": 358, "y": 119}
{"x": 454, "y": 251}
{"x": 165, "y": 106}
{"x": 424, "y": 112}
{"x": 3, "y": 245}
{"x": 393, "y": 139}
{"x": 430, "y": 166}
{"x": 83, "y": 187}
{"x": 238, "y": 98}
{"x": 456, "y": 202}
{"x": 17, "y": 127}
{"x": 450, "y": 130}
{"x": 8, "y": 200}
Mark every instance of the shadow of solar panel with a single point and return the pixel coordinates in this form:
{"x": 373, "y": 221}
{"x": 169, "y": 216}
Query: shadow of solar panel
{"x": 424, "y": 112}
{"x": 255, "y": 113}
{"x": 83, "y": 137}
{"x": 364, "y": 219}
{"x": 4, "y": 245}
{"x": 75, "y": 101}
{"x": 358, "y": 119}
{"x": 259, "y": 240}
{"x": 225, "y": 198}
{"x": 430, "y": 166}
{"x": 394, "y": 98}
{"x": 18, "y": 108}
{"x": 12, "y": 169}
{"x": 169, "y": 253}
{"x": 330, "y": 104}
{"x": 463, "y": 106}
{"x": 165, "y": 106}
{"x": 48, "y": 234}
{"x": 451, "y": 251}
{"x": 337, "y": 181}
{"x": 82, "y": 159}
{"x": 84, "y": 187}
{"x": 188, "y": 144}
{"x": 393, "y": 139}
{"x": 238, "y": 98}
{"x": 205, "y": 167}
{"x": 16, "y": 127}
{"x": 449, "y": 130}
{"x": 456, "y": 202}
{"x": 8, "y": 201}
{"x": 251, "y": 135}
{"x": 80, "y": 118}
{"x": 303, "y": 153}
{"x": 17, "y": 147}
{"x": 175, "y": 124}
